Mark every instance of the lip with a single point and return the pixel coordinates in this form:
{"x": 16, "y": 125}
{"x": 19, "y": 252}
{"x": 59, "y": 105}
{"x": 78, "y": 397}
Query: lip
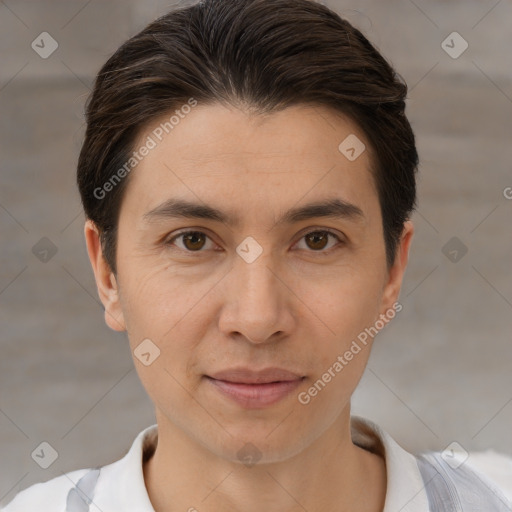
{"x": 247, "y": 376}
{"x": 255, "y": 389}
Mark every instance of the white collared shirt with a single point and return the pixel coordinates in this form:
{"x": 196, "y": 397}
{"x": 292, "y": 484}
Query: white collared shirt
{"x": 121, "y": 488}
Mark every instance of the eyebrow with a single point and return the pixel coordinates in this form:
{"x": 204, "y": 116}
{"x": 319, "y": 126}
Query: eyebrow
{"x": 178, "y": 208}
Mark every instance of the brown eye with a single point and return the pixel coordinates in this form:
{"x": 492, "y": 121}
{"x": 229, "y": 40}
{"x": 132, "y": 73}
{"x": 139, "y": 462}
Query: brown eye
{"x": 318, "y": 241}
{"x": 197, "y": 241}
{"x": 191, "y": 241}
{"x": 194, "y": 240}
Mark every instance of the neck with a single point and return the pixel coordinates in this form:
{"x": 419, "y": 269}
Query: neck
{"x": 331, "y": 474}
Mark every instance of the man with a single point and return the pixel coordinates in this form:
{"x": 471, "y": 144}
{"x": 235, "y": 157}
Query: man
{"x": 248, "y": 175}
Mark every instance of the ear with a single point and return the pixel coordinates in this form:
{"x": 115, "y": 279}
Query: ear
{"x": 397, "y": 270}
{"x": 108, "y": 289}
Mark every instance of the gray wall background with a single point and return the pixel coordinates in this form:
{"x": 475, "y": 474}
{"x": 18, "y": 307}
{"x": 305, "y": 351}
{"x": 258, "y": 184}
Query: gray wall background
{"x": 439, "y": 373}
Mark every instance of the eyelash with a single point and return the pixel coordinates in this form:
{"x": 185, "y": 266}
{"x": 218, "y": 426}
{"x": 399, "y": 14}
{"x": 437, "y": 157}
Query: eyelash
{"x": 170, "y": 241}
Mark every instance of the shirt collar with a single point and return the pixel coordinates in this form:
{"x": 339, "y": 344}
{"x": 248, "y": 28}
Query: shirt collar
{"x": 121, "y": 484}
{"x": 405, "y": 490}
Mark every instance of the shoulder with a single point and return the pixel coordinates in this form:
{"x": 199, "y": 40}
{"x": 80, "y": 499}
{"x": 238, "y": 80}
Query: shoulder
{"x": 118, "y": 484}
{"x": 49, "y": 496}
{"x": 495, "y": 466}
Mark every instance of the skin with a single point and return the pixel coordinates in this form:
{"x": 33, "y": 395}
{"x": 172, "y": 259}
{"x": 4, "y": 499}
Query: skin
{"x": 292, "y": 307}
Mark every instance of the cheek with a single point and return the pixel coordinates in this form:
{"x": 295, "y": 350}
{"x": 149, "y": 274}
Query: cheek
{"x": 347, "y": 303}
{"x": 141, "y": 296}
{"x": 161, "y": 307}
{"x": 167, "y": 307}
{"x": 346, "y": 307}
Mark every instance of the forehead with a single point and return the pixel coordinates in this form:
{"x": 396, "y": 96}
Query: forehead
{"x": 224, "y": 155}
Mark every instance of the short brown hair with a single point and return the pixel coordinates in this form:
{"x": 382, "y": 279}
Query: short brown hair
{"x": 266, "y": 55}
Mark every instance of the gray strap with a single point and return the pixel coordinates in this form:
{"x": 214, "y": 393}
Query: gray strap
{"x": 80, "y": 497}
{"x": 458, "y": 489}
{"x": 440, "y": 497}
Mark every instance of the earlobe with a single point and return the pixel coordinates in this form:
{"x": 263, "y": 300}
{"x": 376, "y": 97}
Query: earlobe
{"x": 108, "y": 289}
{"x": 397, "y": 271}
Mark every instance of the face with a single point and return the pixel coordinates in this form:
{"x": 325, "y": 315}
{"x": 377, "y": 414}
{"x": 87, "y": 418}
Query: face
{"x": 252, "y": 277}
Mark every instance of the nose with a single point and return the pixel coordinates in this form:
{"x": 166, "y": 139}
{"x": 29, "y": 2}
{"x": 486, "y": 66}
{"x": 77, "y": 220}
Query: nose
{"x": 257, "y": 302}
